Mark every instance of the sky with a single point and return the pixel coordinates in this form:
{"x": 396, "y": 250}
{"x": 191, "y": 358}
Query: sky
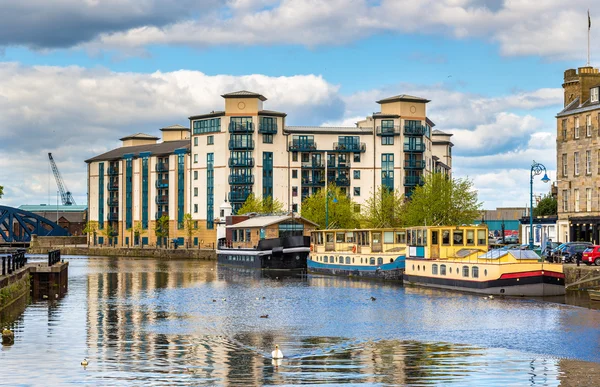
{"x": 77, "y": 75}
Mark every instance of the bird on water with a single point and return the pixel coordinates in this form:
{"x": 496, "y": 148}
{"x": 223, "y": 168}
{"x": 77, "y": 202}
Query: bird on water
{"x": 84, "y": 363}
{"x": 277, "y": 354}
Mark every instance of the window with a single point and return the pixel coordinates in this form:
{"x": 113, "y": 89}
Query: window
{"x": 475, "y": 272}
{"x": 371, "y": 261}
{"x": 207, "y": 126}
{"x": 357, "y": 157}
{"x": 387, "y": 140}
{"x": 564, "y": 130}
{"x": 210, "y": 140}
{"x": 594, "y": 94}
{"x": 588, "y": 199}
{"x": 248, "y": 235}
{"x": 195, "y": 208}
{"x": 195, "y": 175}
{"x": 295, "y": 207}
{"x": 356, "y": 174}
{"x": 294, "y": 156}
{"x": 356, "y": 191}
{"x": 387, "y": 170}
{"x": 576, "y": 163}
{"x": 466, "y": 271}
{"x": 442, "y": 269}
{"x": 588, "y": 162}
{"x": 565, "y": 199}
{"x": 195, "y": 158}
{"x": 588, "y": 125}
{"x": 267, "y": 138}
{"x": 357, "y": 208}
{"x": 401, "y": 237}
{"x": 434, "y": 269}
{"x": 305, "y": 157}
{"x": 347, "y": 260}
{"x": 294, "y": 191}
{"x": 294, "y": 173}
{"x": 470, "y": 237}
{"x": 195, "y": 141}
{"x": 195, "y": 191}
{"x": 445, "y": 237}
{"x": 481, "y": 237}
{"x": 576, "y": 133}
{"x": 380, "y": 261}
{"x": 564, "y": 164}
{"x": 457, "y": 236}
{"x": 576, "y": 193}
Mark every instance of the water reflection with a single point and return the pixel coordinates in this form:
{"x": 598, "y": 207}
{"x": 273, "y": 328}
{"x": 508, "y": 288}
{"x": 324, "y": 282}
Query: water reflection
{"x": 148, "y": 322}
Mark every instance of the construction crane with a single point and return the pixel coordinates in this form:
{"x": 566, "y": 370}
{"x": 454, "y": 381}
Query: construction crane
{"x": 67, "y": 198}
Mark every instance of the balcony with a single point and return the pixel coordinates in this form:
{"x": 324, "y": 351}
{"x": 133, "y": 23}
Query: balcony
{"x": 414, "y": 147}
{"x": 241, "y": 179}
{"x": 162, "y": 167}
{"x": 112, "y": 171}
{"x": 243, "y": 145}
{"x": 112, "y": 216}
{"x": 239, "y": 196}
{"x": 164, "y": 183}
{"x": 268, "y": 129}
{"x": 341, "y": 165}
{"x": 412, "y": 180}
{"x": 313, "y": 182}
{"x": 160, "y": 214}
{"x": 314, "y": 164}
{"x": 112, "y": 202}
{"x": 302, "y": 146}
{"x": 233, "y": 162}
{"x": 113, "y": 186}
{"x": 415, "y": 130}
{"x": 342, "y": 182}
{"x": 235, "y": 127}
{"x": 162, "y": 199}
{"x": 349, "y": 147}
{"x": 414, "y": 164}
{"x": 388, "y": 130}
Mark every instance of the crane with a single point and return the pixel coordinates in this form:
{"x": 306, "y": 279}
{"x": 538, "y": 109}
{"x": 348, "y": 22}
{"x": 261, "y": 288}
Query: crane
{"x": 67, "y": 198}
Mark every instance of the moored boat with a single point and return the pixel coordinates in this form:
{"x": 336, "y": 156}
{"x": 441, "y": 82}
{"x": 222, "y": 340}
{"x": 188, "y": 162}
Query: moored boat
{"x": 594, "y": 294}
{"x": 365, "y": 253}
{"x": 458, "y": 258}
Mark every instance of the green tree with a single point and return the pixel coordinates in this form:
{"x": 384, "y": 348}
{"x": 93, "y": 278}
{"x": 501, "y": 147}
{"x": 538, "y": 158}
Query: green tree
{"x": 109, "y": 232}
{"x": 188, "y": 225}
{"x": 138, "y": 231}
{"x": 90, "y": 230}
{"x": 255, "y": 204}
{"x": 161, "y": 229}
{"x": 442, "y": 200}
{"x": 384, "y": 208}
{"x": 341, "y": 209}
{"x": 547, "y": 206}
{"x": 1, "y": 191}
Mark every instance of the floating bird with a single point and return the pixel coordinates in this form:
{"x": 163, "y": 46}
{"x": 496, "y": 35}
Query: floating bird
{"x": 214, "y": 300}
{"x": 485, "y": 298}
{"x": 264, "y": 316}
{"x": 84, "y": 363}
{"x": 491, "y": 297}
{"x": 277, "y": 354}
{"x": 224, "y": 299}
{"x": 264, "y": 297}
{"x": 373, "y": 298}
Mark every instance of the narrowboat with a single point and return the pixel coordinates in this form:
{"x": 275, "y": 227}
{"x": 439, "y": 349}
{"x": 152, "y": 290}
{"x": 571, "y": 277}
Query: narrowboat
{"x": 458, "y": 258}
{"x": 365, "y": 253}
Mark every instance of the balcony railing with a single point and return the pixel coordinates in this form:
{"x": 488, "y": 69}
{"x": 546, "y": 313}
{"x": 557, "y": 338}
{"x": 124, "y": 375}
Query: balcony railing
{"x": 340, "y": 165}
{"x": 113, "y": 216}
{"x": 112, "y": 202}
{"x": 388, "y": 130}
{"x": 164, "y": 183}
{"x": 112, "y": 171}
{"x": 412, "y": 180}
{"x": 239, "y": 196}
{"x": 414, "y": 147}
{"x": 233, "y": 144}
{"x": 313, "y": 164}
{"x": 268, "y": 129}
{"x": 162, "y": 167}
{"x": 113, "y": 186}
{"x": 233, "y": 162}
{"x": 302, "y": 146}
{"x": 414, "y": 164}
{"x": 342, "y": 182}
{"x": 349, "y": 147}
{"x": 241, "y": 180}
{"x": 160, "y": 214}
{"x": 415, "y": 130}
{"x": 235, "y": 127}
{"x": 313, "y": 182}
{"x": 162, "y": 199}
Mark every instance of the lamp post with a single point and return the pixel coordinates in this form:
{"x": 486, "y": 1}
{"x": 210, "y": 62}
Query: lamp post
{"x": 536, "y": 169}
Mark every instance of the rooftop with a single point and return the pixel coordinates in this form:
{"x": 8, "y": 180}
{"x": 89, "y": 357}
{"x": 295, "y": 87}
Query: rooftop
{"x": 139, "y": 136}
{"x": 163, "y": 148}
{"x": 328, "y": 129}
{"x": 176, "y": 127}
{"x": 52, "y": 208}
{"x": 403, "y": 97}
{"x": 244, "y": 94}
{"x": 439, "y": 132}
{"x": 264, "y": 221}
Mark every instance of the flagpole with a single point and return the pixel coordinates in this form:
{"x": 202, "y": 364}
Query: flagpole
{"x": 588, "y": 42}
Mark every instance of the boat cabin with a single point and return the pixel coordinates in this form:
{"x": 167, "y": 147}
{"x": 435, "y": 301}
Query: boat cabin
{"x": 248, "y": 231}
{"x": 363, "y": 241}
{"x": 444, "y": 242}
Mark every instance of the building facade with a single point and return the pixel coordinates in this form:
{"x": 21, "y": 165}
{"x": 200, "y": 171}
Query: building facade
{"x": 578, "y": 157}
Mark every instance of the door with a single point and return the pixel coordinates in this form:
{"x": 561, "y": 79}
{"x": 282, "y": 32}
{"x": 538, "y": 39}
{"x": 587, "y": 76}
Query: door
{"x": 376, "y": 245}
{"x": 435, "y": 245}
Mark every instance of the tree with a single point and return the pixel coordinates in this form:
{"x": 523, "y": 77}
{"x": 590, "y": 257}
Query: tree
{"x": 109, "y": 233}
{"x": 442, "y": 200}
{"x": 341, "y": 209}
{"x": 138, "y": 231}
{"x": 547, "y": 206}
{"x": 1, "y": 191}
{"x": 90, "y": 230}
{"x": 188, "y": 225}
{"x": 266, "y": 205}
{"x": 384, "y": 208}
{"x": 161, "y": 229}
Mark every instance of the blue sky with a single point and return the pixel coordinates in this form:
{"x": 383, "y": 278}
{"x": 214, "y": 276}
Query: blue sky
{"x": 79, "y": 75}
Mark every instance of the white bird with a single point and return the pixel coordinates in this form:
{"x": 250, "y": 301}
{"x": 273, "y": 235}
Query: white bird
{"x": 491, "y": 297}
{"x": 277, "y": 354}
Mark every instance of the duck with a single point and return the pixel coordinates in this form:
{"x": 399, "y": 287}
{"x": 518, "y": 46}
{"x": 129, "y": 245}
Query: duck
{"x": 277, "y": 354}
{"x": 84, "y": 363}
{"x": 264, "y": 316}
{"x": 214, "y": 300}
{"x": 373, "y": 298}
{"x": 491, "y": 297}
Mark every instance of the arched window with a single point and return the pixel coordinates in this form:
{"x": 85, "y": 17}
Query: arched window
{"x": 347, "y": 260}
{"x": 475, "y": 272}
{"x": 465, "y": 271}
{"x": 434, "y": 268}
{"x": 380, "y": 261}
{"x": 442, "y": 269}
{"x": 341, "y": 259}
{"x": 325, "y": 259}
{"x": 372, "y": 261}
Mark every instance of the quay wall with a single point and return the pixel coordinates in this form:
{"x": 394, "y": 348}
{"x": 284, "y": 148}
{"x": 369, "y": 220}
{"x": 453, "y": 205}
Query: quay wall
{"x": 134, "y": 252}
{"x": 14, "y": 286}
{"x": 57, "y": 241}
{"x": 575, "y": 273}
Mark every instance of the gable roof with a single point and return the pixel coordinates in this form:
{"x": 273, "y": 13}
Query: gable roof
{"x": 268, "y": 220}
{"x": 175, "y": 127}
{"x": 139, "y": 136}
{"x": 244, "y": 94}
{"x": 439, "y": 132}
{"x": 163, "y": 148}
{"x": 403, "y": 97}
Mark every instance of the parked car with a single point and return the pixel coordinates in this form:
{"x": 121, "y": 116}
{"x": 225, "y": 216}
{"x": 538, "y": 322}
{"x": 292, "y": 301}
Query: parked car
{"x": 550, "y": 247}
{"x": 591, "y": 255}
{"x": 511, "y": 239}
{"x": 572, "y": 250}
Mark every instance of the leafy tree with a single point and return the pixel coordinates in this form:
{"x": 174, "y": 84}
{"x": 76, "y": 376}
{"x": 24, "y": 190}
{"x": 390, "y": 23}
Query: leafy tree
{"x": 547, "y": 206}
{"x": 138, "y": 231}
{"x": 90, "y": 230}
{"x": 341, "y": 209}
{"x": 188, "y": 225}
{"x": 161, "y": 230}
{"x": 384, "y": 208}
{"x": 1, "y": 191}
{"x": 109, "y": 232}
{"x": 266, "y": 205}
{"x": 442, "y": 200}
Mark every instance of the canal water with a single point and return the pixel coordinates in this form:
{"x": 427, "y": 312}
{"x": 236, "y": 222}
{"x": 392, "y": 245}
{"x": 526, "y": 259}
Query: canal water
{"x": 188, "y": 323}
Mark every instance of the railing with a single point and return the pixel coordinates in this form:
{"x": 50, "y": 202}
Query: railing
{"x": 162, "y": 167}
{"x": 313, "y": 164}
{"x": 13, "y": 262}
{"x": 241, "y": 179}
{"x": 112, "y": 171}
{"x": 234, "y": 144}
{"x": 233, "y": 162}
{"x": 235, "y": 127}
{"x": 414, "y": 164}
{"x": 415, "y": 130}
{"x": 112, "y": 216}
{"x": 414, "y": 147}
{"x": 349, "y": 146}
{"x": 112, "y": 186}
{"x": 342, "y": 182}
{"x": 302, "y": 146}
{"x": 160, "y": 214}
{"x": 412, "y": 180}
{"x": 53, "y": 257}
{"x": 313, "y": 182}
{"x": 162, "y": 199}
{"x": 388, "y": 130}
{"x": 341, "y": 165}
{"x": 112, "y": 202}
{"x": 164, "y": 183}
{"x": 239, "y": 196}
{"x": 268, "y": 129}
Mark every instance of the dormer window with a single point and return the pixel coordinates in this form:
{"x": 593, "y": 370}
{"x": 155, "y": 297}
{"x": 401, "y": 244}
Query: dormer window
{"x": 594, "y": 94}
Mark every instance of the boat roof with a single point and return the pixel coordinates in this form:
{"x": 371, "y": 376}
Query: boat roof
{"x": 516, "y": 254}
{"x": 264, "y": 221}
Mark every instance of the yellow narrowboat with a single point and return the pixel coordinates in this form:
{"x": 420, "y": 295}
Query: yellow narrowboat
{"x": 458, "y": 258}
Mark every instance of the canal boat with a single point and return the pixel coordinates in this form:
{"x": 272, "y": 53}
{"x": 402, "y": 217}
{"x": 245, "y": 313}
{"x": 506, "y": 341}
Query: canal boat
{"x": 594, "y": 294}
{"x": 364, "y": 253}
{"x": 458, "y": 258}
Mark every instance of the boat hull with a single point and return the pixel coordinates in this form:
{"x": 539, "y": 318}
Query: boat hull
{"x": 594, "y": 295}
{"x": 388, "y": 272}
{"x": 289, "y": 254}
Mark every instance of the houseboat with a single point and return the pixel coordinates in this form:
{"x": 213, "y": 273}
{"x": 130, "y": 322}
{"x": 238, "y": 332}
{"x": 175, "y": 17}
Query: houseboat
{"x": 458, "y": 258}
{"x": 275, "y": 242}
{"x": 366, "y": 253}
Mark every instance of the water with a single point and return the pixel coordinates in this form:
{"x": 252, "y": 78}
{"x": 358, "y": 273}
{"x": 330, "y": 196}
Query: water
{"x": 188, "y": 323}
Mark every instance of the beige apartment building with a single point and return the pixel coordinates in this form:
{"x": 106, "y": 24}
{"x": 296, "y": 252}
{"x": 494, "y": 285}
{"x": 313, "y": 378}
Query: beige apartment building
{"x": 578, "y": 157}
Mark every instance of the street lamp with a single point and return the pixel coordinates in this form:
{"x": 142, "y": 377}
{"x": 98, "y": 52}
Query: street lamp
{"x": 536, "y": 169}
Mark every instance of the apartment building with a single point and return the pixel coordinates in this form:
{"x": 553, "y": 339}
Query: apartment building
{"x": 578, "y": 157}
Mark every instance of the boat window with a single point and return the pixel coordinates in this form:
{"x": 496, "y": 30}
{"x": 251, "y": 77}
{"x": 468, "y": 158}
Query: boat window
{"x": 413, "y": 267}
{"x": 352, "y": 259}
{"x": 470, "y": 237}
{"x": 380, "y": 261}
{"x": 485, "y": 272}
{"x": 465, "y": 271}
{"x": 347, "y": 260}
{"x": 364, "y": 238}
{"x": 339, "y": 237}
{"x": 248, "y": 235}
{"x": 234, "y": 235}
{"x": 319, "y": 238}
{"x": 361, "y": 260}
{"x": 341, "y": 259}
{"x": 350, "y": 237}
{"x": 434, "y": 237}
{"x": 329, "y": 237}
{"x": 388, "y": 237}
{"x": 409, "y": 237}
{"x": 457, "y": 237}
{"x": 434, "y": 268}
{"x": 450, "y": 270}
{"x": 481, "y": 237}
{"x": 376, "y": 237}
{"x": 371, "y": 261}
{"x": 446, "y": 237}
{"x": 325, "y": 258}
{"x": 391, "y": 260}
{"x": 418, "y": 267}
{"x": 419, "y": 237}
{"x": 331, "y": 259}
{"x": 401, "y": 237}
{"x": 442, "y": 269}
{"x": 475, "y": 272}
{"x": 424, "y": 237}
